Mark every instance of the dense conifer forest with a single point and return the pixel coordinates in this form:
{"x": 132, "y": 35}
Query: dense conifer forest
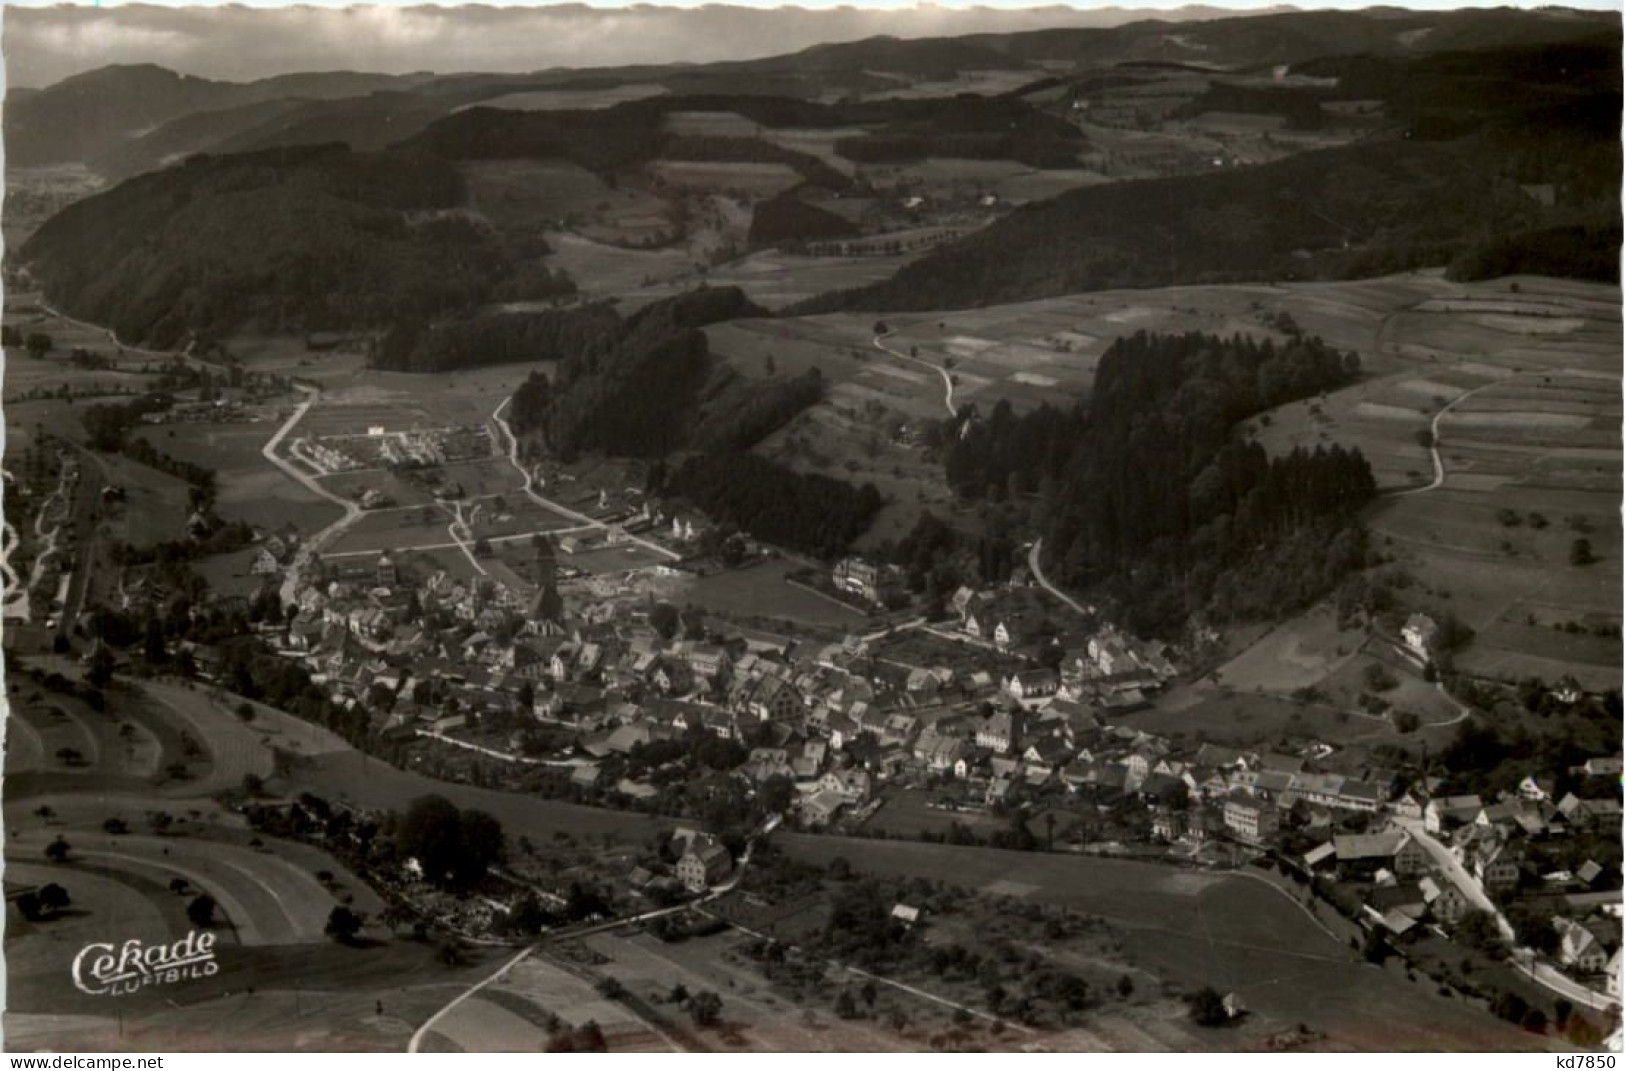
{"x": 643, "y": 387}
{"x": 496, "y": 338}
{"x": 1148, "y": 494}
{"x": 805, "y": 512}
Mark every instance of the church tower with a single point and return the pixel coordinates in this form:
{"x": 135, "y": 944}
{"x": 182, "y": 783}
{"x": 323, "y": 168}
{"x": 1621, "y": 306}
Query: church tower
{"x": 548, "y": 609}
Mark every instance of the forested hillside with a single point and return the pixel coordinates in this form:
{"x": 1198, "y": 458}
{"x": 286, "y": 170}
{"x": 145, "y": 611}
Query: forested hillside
{"x": 1148, "y": 496}
{"x": 635, "y": 132}
{"x": 495, "y": 338}
{"x": 288, "y": 240}
{"x": 647, "y": 386}
{"x": 1451, "y": 185}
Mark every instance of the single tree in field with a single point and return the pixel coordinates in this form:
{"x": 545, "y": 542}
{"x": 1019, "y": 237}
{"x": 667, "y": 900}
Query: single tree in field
{"x": 343, "y": 925}
{"x": 28, "y": 906}
{"x": 101, "y": 668}
{"x": 705, "y": 1008}
{"x": 57, "y": 850}
{"x": 54, "y": 898}
{"x": 396, "y": 914}
{"x": 1207, "y": 1007}
{"x": 200, "y": 912}
{"x": 1580, "y": 552}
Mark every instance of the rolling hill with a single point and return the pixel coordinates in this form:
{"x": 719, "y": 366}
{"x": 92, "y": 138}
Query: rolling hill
{"x": 118, "y": 118}
{"x": 1484, "y": 136}
{"x": 1489, "y": 158}
{"x": 89, "y": 117}
{"x": 289, "y": 240}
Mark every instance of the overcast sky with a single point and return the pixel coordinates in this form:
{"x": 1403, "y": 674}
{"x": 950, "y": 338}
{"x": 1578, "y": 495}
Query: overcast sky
{"x": 46, "y": 44}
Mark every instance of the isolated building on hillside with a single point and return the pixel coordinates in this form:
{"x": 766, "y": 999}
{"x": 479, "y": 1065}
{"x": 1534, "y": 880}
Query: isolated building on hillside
{"x": 1420, "y": 633}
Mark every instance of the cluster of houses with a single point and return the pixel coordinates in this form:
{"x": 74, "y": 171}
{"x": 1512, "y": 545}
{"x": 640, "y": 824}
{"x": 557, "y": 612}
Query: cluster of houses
{"x": 1491, "y": 858}
{"x": 842, "y": 726}
{"x": 447, "y": 655}
{"x": 420, "y": 447}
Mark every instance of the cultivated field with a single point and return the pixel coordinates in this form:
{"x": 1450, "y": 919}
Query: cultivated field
{"x": 1529, "y": 376}
{"x": 1233, "y": 931}
{"x": 1521, "y": 388}
{"x": 512, "y": 1015}
{"x": 603, "y": 270}
{"x": 734, "y": 177}
{"x": 1010, "y": 181}
{"x": 250, "y": 489}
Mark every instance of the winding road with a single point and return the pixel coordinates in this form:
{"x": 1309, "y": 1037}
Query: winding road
{"x": 1433, "y": 429}
{"x": 1524, "y": 959}
{"x": 580, "y": 518}
{"x": 947, "y": 380}
{"x": 1036, "y": 568}
{"x": 16, "y": 593}
{"x": 352, "y": 511}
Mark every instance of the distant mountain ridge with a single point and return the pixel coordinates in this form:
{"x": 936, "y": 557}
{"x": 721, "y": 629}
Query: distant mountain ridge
{"x": 1481, "y": 128}
{"x": 122, "y": 119}
{"x": 307, "y": 231}
{"x": 84, "y": 117}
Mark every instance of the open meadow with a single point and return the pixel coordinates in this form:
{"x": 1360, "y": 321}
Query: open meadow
{"x": 761, "y": 591}
{"x": 1516, "y": 382}
{"x": 250, "y": 488}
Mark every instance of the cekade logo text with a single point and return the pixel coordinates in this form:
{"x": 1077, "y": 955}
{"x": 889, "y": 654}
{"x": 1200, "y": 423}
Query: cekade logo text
{"x": 104, "y": 969}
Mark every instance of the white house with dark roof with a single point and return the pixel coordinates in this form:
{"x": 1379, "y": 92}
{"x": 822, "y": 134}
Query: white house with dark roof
{"x": 1420, "y": 633}
{"x": 703, "y": 865}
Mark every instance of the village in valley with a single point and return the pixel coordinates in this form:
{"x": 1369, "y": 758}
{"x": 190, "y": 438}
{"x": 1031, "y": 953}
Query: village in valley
{"x": 530, "y": 627}
{"x": 657, "y": 610}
